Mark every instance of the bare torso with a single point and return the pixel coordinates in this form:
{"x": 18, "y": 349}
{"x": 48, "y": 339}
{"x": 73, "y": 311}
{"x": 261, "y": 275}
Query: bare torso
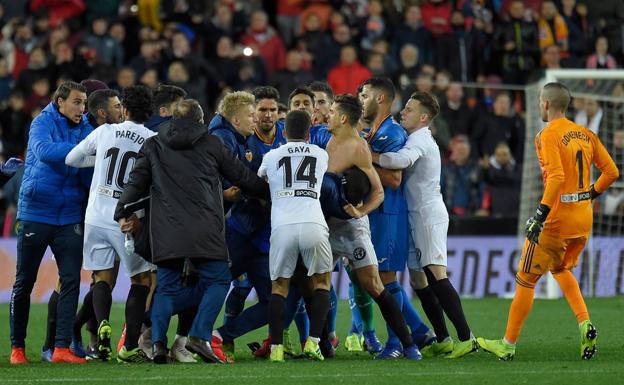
{"x": 344, "y": 152}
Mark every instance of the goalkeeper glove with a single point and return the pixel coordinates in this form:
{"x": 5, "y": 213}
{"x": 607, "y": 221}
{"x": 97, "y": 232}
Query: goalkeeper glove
{"x": 593, "y": 193}
{"x": 535, "y": 224}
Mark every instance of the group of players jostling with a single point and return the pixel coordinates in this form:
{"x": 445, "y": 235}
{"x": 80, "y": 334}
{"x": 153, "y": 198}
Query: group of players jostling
{"x": 350, "y": 187}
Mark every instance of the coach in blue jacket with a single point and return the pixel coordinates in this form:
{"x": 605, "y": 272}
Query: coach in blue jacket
{"x": 50, "y": 213}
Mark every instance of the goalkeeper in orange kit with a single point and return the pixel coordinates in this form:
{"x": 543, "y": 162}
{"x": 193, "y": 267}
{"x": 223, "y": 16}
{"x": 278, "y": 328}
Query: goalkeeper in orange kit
{"x": 557, "y": 233}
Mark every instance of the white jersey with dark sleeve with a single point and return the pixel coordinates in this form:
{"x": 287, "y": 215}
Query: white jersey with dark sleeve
{"x": 295, "y": 173}
{"x": 420, "y": 157}
{"x": 115, "y": 147}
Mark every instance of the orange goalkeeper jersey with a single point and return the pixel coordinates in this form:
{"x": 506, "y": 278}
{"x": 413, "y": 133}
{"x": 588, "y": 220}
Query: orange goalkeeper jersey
{"x": 566, "y": 152}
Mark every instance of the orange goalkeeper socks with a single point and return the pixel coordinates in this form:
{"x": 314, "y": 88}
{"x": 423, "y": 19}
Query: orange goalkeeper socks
{"x": 570, "y": 288}
{"x": 520, "y": 306}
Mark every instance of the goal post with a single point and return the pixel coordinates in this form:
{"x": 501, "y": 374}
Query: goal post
{"x": 598, "y": 103}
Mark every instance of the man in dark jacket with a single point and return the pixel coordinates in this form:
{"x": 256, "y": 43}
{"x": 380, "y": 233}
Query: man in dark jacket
{"x": 50, "y": 211}
{"x": 181, "y": 168}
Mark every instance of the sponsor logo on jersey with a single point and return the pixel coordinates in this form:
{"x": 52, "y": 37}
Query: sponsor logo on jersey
{"x": 109, "y": 192}
{"x": 306, "y": 193}
{"x": 359, "y": 253}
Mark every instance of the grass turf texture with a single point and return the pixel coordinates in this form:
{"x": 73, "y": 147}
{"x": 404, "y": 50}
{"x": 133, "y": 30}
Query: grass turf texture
{"x": 548, "y": 353}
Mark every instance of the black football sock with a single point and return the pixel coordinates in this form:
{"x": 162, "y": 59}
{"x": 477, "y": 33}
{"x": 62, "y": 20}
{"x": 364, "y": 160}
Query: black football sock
{"x": 434, "y": 312}
{"x": 147, "y": 317}
{"x": 102, "y": 300}
{"x": 391, "y": 312}
{"x": 84, "y": 314}
{"x": 319, "y": 306}
{"x": 450, "y": 302}
{"x": 277, "y": 305}
{"x": 185, "y": 321}
{"x": 51, "y": 324}
{"x": 135, "y": 309}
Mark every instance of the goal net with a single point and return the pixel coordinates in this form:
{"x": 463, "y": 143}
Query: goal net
{"x": 597, "y": 103}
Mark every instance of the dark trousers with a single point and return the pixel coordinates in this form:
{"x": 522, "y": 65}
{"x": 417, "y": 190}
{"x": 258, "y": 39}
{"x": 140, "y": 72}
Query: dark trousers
{"x": 245, "y": 257}
{"x": 172, "y": 296}
{"x": 66, "y": 243}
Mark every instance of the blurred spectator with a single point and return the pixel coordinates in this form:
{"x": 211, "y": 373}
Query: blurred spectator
{"x": 553, "y": 29}
{"x": 503, "y": 176}
{"x": 375, "y": 63}
{"x": 442, "y": 81}
{"x": 108, "y": 50}
{"x": 291, "y": 76}
{"x": 348, "y": 74}
{"x": 98, "y": 9}
{"x": 600, "y": 58}
{"x": 39, "y": 94}
{"x": 179, "y": 75}
{"x": 462, "y": 181}
{"x": 455, "y": 112}
{"x": 149, "y": 78}
{"x": 6, "y": 81}
{"x": 288, "y": 12}
{"x": 341, "y": 36}
{"x": 149, "y": 56}
{"x": 609, "y": 17}
{"x": 590, "y": 115}
{"x": 317, "y": 43}
{"x": 14, "y": 122}
{"x": 126, "y": 77}
{"x": 516, "y": 42}
{"x": 24, "y": 38}
{"x": 501, "y": 125}
{"x": 373, "y": 27}
{"x": 405, "y": 78}
{"x": 436, "y": 15}
{"x": 413, "y": 32}
{"x": 58, "y": 11}
{"x": 37, "y": 68}
{"x": 457, "y": 50}
{"x": 67, "y": 64}
{"x": 265, "y": 41}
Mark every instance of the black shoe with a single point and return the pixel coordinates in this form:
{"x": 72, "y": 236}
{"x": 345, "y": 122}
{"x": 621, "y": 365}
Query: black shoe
{"x": 159, "y": 353}
{"x": 203, "y": 349}
{"x": 327, "y": 349}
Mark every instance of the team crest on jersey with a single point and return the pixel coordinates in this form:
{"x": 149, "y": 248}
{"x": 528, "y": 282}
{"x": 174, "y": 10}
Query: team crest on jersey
{"x": 359, "y": 253}
{"x": 248, "y": 155}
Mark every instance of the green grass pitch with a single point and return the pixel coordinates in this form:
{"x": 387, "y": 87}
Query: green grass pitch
{"x": 547, "y": 354}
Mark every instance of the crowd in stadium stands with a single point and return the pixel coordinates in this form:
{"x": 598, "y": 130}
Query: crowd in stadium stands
{"x": 209, "y": 47}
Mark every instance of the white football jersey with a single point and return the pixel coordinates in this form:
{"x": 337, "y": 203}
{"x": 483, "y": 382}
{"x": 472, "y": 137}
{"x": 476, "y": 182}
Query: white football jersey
{"x": 295, "y": 173}
{"x": 116, "y": 147}
{"x": 420, "y": 157}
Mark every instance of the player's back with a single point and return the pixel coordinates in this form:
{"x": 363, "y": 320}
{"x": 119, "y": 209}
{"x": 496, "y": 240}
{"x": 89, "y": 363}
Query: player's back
{"x": 566, "y": 152}
{"x": 116, "y": 149}
{"x": 295, "y": 173}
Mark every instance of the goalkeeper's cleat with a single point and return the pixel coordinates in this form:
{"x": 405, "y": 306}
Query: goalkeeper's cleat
{"x": 463, "y": 348}
{"x": 289, "y": 349}
{"x": 277, "y": 353}
{"x": 179, "y": 353}
{"x": 46, "y": 354}
{"x": 265, "y": 349}
{"x": 412, "y": 353}
{"x": 438, "y": 348}
{"x": 312, "y": 350}
{"x": 104, "y": 333}
{"x": 134, "y": 356}
{"x": 589, "y": 336}
{"x": 499, "y": 348}
{"x": 64, "y": 355}
{"x": 77, "y": 349}
{"x": 390, "y": 352}
{"x": 372, "y": 343}
{"x": 353, "y": 343}
{"x": 122, "y": 339}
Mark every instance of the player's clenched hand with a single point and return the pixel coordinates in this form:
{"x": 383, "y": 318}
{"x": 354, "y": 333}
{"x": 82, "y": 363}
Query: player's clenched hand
{"x": 352, "y": 211}
{"x": 129, "y": 225}
{"x": 535, "y": 224}
{"x": 232, "y": 194}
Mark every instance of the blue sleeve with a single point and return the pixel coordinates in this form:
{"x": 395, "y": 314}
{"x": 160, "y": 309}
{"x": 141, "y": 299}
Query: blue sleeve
{"x": 394, "y": 142}
{"x": 228, "y": 140}
{"x": 40, "y": 140}
{"x": 320, "y": 136}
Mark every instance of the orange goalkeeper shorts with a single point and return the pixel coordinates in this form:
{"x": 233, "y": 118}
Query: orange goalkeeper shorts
{"x": 551, "y": 254}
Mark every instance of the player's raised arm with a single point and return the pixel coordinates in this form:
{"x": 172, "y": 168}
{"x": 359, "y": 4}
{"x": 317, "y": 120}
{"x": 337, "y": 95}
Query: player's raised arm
{"x": 609, "y": 172}
{"x": 404, "y": 158}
